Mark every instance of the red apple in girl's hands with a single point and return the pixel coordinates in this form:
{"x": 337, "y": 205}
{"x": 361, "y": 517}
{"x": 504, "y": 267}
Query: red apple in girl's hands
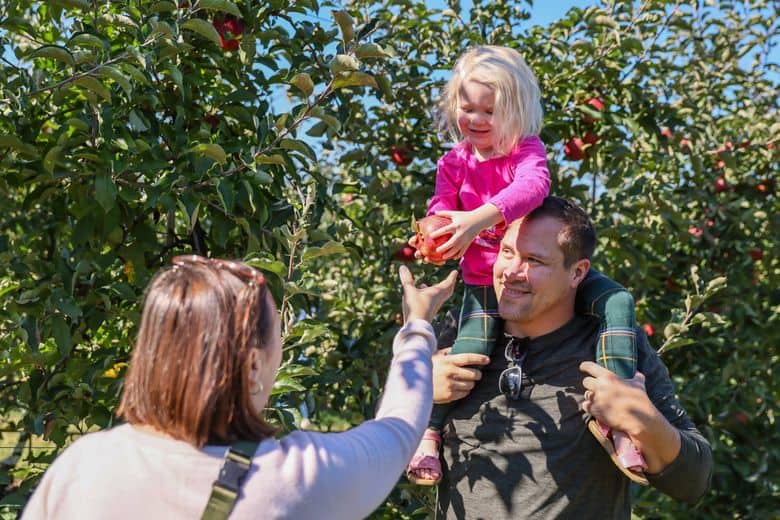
{"x": 427, "y": 245}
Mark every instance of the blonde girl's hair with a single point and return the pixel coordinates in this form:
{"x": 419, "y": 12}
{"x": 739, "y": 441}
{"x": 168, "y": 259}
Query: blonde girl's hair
{"x": 517, "y": 112}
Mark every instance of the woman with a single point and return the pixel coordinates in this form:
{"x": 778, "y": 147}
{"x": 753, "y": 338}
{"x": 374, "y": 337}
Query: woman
{"x": 205, "y": 360}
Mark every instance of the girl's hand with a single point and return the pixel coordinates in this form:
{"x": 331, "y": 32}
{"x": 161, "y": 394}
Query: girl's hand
{"x": 417, "y": 254}
{"x": 465, "y": 227}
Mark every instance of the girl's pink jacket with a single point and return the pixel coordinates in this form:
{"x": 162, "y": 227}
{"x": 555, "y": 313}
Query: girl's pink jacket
{"x": 515, "y": 184}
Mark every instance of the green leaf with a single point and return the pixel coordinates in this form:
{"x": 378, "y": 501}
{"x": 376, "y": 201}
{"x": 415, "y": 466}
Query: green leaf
{"x": 227, "y": 195}
{"x": 55, "y": 52}
{"x": 105, "y": 192}
{"x": 298, "y": 146}
{"x": 163, "y": 7}
{"x": 385, "y": 86}
{"x": 346, "y": 24}
{"x": 211, "y": 150}
{"x": 51, "y": 158}
{"x": 354, "y": 79}
{"x": 78, "y": 124}
{"x": 329, "y": 248}
{"x": 715, "y": 285}
{"x": 221, "y": 5}
{"x": 304, "y": 83}
{"x": 61, "y": 332}
{"x": 203, "y": 28}
{"x": 116, "y": 19}
{"x": 135, "y": 74}
{"x": 371, "y": 50}
{"x": 115, "y": 74}
{"x": 137, "y": 122}
{"x": 13, "y": 142}
{"x": 343, "y": 63}
{"x": 270, "y": 159}
{"x": 283, "y": 385}
{"x": 319, "y": 113}
{"x": 87, "y": 40}
{"x": 93, "y": 85}
{"x": 274, "y": 266}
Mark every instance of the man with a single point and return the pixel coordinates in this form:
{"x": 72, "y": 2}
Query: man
{"x": 518, "y": 446}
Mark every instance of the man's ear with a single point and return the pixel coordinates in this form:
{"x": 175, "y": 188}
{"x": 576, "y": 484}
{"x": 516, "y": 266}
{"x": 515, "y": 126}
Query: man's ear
{"x": 578, "y": 271}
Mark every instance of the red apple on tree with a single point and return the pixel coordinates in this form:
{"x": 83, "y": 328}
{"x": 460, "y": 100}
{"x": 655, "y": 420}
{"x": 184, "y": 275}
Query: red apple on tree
{"x": 590, "y": 138}
{"x": 401, "y": 155}
{"x": 230, "y": 29}
{"x": 573, "y": 149}
{"x": 423, "y": 241}
{"x": 648, "y": 328}
{"x": 405, "y": 254}
{"x": 720, "y": 185}
{"x": 694, "y": 231}
{"x": 756, "y": 254}
{"x": 597, "y": 105}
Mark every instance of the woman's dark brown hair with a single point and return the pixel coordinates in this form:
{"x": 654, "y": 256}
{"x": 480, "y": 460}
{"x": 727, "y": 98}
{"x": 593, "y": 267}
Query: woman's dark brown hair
{"x": 189, "y": 375}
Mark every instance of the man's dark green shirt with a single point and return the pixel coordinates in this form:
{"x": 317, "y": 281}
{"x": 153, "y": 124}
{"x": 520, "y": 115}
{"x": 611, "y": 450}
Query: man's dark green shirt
{"x": 535, "y": 458}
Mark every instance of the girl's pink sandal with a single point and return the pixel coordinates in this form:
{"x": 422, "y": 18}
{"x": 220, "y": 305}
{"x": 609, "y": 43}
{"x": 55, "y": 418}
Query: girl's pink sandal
{"x": 425, "y": 461}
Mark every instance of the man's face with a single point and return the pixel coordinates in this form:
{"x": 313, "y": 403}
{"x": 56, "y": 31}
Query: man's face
{"x": 535, "y": 291}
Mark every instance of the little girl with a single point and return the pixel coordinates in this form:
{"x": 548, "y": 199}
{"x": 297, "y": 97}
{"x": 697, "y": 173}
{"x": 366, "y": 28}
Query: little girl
{"x": 496, "y": 174}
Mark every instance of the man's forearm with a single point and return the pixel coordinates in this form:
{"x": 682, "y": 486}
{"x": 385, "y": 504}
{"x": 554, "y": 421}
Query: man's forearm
{"x": 657, "y": 439}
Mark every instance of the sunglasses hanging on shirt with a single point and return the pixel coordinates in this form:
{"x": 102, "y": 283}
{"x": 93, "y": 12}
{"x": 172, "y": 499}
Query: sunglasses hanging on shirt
{"x": 510, "y": 382}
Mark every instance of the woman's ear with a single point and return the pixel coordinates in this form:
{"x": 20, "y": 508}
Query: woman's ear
{"x": 255, "y": 360}
{"x": 578, "y": 271}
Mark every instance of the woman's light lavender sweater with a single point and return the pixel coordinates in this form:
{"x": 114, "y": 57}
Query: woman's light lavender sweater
{"x": 126, "y": 472}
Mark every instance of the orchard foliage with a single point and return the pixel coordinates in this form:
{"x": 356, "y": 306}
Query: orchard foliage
{"x": 298, "y": 135}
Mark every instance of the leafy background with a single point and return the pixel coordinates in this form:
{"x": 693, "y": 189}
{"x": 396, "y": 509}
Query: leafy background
{"x": 299, "y": 136}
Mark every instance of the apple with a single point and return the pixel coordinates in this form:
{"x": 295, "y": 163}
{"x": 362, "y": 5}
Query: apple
{"x": 648, "y": 328}
{"x": 728, "y": 145}
{"x": 212, "y": 120}
{"x": 761, "y": 187}
{"x": 756, "y": 254}
{"x": 401, "y": 155}
{"x": 667, "y": 133}
{"x": 405, "y": 254}
{"x": 720, "y": 185}
{"x": 424, "y": 243}
{"x": 228, "y": 45}
{"x": 597, "y": 105}
{"x": 693, "y": 230}
{"x": 685, "y": 143}
{"x": 229, "y": 28}
{"x": 573, "y": 149}
{"x": 590, "y": 138}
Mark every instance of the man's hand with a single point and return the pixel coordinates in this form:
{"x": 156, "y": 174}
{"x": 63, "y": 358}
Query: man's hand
{"x": 452, "y": 377}
{"x": 623, "y": 404}
{"x": 424, "y": 302}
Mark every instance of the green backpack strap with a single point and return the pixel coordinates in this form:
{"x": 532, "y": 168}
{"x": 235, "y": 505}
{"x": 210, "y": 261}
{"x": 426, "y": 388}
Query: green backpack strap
{"x": 224, "y": 492}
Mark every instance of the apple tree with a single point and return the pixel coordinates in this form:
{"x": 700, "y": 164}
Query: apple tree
{"x": 298, "y": 135}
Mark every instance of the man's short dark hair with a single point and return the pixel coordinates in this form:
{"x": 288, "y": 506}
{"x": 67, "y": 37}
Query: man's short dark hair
{"x": 577, "y": 239}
